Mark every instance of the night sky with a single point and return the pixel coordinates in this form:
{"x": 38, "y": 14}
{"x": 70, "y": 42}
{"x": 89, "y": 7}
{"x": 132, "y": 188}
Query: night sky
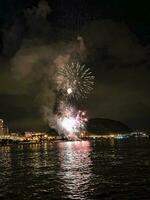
{"x": 115, "y": 44}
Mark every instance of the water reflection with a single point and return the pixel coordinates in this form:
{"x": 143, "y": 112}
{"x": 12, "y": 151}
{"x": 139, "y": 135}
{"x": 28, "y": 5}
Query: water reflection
{"x": 5, "y": 166}
{"x": 75, "y": 171}
{"x": 105, "y": 169}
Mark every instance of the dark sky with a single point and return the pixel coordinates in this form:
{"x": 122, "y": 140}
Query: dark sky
{"x": 116, "y": 40}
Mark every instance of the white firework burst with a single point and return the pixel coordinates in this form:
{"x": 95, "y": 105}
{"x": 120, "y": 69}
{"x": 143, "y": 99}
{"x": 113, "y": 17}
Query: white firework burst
{"x": 75, "y": 80}
{"x": 71, "y": 121}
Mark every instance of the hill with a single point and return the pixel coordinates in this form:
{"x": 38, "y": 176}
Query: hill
{"x": 100, "y": 125}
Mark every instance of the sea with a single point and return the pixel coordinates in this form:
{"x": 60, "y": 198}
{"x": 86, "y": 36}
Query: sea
{"x": 109, "y": 169}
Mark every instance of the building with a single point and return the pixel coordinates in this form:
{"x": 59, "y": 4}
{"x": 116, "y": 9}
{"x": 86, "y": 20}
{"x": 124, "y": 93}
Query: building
{"x": 39, "y": 136}
{"x": 3, "y": 128}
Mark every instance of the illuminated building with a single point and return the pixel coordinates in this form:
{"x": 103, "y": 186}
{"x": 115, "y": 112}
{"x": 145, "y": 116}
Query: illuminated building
{"x": 3, "y": 128}
{"x": 38, "y": 136}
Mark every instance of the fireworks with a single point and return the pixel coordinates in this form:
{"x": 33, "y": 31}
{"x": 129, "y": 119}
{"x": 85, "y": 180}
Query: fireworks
{"x": 71, "y": 121}
{"x": 75, "y": 81}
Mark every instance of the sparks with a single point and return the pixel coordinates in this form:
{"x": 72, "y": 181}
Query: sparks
{"x": 75, "y": 80}
{"x": 69, "y": 90}
{"x": 71, "y": 121}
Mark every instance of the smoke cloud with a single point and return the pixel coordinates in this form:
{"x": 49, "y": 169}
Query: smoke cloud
{"x": 38, "y": 65}
{"x": 36, "y": 59}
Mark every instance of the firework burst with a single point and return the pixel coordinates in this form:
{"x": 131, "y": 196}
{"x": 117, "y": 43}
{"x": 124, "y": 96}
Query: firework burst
{"x": 71, "y": 121}
{"x": 75, "y": 80}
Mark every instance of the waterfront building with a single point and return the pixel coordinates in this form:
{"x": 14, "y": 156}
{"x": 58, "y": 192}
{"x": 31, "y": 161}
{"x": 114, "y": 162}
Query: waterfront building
{"x": 3, "y": 128}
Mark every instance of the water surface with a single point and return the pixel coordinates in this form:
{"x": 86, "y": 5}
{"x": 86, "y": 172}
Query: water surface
{"x": 105, "y": 169}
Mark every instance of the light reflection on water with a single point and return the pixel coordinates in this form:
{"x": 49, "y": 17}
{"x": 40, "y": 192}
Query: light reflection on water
{"x": 75, "y": 168}
{"x": 105, "y": 169}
